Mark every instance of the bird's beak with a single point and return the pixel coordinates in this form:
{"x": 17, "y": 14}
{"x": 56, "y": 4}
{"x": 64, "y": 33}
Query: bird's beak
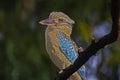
{"x": 48, "y": 22}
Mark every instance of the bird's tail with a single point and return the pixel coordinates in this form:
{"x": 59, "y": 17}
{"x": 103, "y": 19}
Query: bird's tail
{"x": 75, "y": 76}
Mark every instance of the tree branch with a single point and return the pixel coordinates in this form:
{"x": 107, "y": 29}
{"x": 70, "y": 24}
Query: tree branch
{"x": 95, "y": 46}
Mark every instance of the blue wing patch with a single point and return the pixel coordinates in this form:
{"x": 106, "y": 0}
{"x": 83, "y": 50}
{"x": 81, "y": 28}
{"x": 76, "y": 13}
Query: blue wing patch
{"x": 69, "y": 50}
{"x": 67, "y": 47}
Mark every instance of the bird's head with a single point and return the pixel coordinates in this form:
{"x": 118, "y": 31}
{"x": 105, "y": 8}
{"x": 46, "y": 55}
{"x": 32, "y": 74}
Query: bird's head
{"x": 57, "y": 19}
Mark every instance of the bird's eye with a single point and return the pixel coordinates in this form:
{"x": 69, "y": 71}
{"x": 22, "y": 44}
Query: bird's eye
{"x": 61, "y": 20}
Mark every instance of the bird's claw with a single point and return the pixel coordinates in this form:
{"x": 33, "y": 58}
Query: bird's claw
{"x": 80, "y": 49}
{"x": 60, "y": 71}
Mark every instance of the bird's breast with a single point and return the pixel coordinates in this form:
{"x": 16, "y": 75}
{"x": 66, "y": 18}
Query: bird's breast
{"x": 53, "y": 49}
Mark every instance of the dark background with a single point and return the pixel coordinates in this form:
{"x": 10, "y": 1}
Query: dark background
{"x": 22, "y": 44}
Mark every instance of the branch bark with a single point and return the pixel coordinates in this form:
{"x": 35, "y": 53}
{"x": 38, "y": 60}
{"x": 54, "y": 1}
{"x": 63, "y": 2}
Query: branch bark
{"x": 95, "y": 46}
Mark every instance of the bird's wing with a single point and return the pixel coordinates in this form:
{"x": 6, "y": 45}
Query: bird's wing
{"x": 68, "y": 48}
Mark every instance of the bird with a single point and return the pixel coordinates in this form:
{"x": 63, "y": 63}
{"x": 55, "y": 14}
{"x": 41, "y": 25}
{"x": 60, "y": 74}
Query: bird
{"x": 63, "y": 51}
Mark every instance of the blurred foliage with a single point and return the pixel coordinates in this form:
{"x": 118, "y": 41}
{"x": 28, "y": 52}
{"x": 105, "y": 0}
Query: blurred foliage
{"x": 22, "y": 45}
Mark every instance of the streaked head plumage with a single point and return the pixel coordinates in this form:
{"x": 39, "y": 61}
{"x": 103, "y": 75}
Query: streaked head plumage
{"x": 60, "y": 16}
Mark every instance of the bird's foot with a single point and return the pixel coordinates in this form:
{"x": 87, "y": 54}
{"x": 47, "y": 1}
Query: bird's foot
{"x": 80, "y": 49}
{"x": 60, "y": 71}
